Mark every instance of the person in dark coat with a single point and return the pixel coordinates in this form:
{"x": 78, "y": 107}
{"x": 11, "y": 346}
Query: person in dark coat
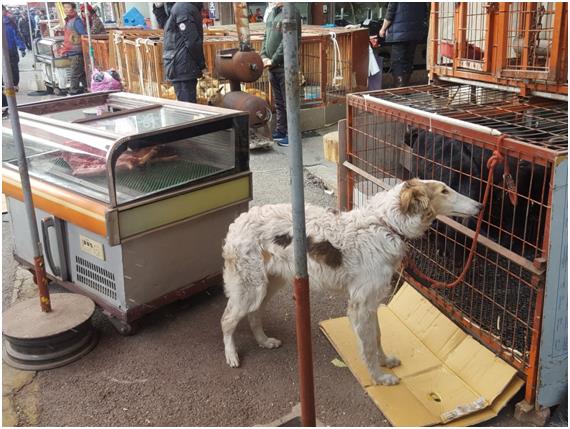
{"x": 24, "y": 30}
{"x": 405, "y": 25}
{"x": 183, "y": 51}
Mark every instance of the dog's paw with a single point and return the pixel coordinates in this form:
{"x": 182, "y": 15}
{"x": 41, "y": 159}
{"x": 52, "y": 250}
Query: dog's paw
{"x": 387, "y": 380}
{"x": 232, "y": 358}
{"x": 390, "y": 362}
{"x": 270, "y": 343}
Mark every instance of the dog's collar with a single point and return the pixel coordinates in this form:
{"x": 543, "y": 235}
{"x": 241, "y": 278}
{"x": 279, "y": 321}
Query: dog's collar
{"x": 394, "y": 232}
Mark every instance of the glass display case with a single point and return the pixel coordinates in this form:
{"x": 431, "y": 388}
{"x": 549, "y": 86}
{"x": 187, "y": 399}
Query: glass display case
{"x": 118, "y": 149}
{"x": 49, "y": 47}
{"x": 133, "y": 195}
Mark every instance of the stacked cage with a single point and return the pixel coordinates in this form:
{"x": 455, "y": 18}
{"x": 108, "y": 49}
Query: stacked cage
{"x": 495, "y": 119}
{"x": 522, "y": 45}
{"x": 448, "y": 132}
{"x": 327, "y": 71}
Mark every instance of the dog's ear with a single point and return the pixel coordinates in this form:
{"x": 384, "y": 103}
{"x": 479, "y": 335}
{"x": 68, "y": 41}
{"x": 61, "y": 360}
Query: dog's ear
{"x": 414, "y": 198}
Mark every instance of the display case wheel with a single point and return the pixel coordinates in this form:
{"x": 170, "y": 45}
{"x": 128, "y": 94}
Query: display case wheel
{"x": 123, "y": 328}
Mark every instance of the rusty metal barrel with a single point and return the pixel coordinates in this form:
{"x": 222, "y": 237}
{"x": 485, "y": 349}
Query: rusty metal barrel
{"x": 242, "y": 66}
{"x": 258, "y": 109}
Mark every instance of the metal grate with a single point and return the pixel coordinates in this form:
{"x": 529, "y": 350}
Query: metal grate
{"x": 149, "y": 179}
{"x": 96, "y": 278}
{"x": 155, "y": 177}
{"x": 543, "y": 123}
{"x": 499, "y": 299}
{"x": 473, "y": 35}
{"x": 445, "y": 33}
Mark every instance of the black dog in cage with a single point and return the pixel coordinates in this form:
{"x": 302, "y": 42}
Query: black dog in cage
{"x": 463, "y": 166}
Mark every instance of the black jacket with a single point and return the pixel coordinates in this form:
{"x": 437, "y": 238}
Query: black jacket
{"x": 183, "y": 43}
{"x": 409, "y": 22}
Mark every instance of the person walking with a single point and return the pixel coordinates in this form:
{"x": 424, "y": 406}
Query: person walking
{"x": 74, "y": 29}
{"x": 405, "y": 25}
{"x": 183, "y": 52}
{"x": 272, "y": 56}
{"x": 15, "y": 43}
{"x": 24, "y": 30}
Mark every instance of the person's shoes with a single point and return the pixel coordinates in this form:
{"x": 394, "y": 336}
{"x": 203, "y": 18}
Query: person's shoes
{"x": 277, "y": 135}
{"x": 284, "y": 142}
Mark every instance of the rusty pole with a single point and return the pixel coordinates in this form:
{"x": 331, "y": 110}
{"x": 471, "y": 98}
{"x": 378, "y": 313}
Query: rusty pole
{"x": 9, "y": 91}
{"x": 302, "y": 304}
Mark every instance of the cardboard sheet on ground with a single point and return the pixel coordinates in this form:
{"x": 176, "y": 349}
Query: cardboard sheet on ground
{"x": 447, "y": 378}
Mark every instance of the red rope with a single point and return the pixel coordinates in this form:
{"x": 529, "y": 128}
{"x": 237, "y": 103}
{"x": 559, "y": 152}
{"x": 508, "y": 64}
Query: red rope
{"x": 411, "y": 265}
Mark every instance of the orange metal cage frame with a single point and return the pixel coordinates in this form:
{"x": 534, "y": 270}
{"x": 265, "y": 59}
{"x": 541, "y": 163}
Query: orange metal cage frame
{"x": 522, "y": 45}
{"x": 374, "y": 140}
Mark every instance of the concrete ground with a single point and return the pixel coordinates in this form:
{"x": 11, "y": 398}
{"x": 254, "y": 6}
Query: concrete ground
{"x": 173, "y": 371}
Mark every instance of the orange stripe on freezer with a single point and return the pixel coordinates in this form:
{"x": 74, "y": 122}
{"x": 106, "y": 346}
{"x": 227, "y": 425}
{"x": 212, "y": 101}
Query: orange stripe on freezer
{"x": 63, "y": 204}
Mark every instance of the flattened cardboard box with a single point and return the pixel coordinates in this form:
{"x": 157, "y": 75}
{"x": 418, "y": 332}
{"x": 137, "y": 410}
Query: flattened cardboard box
{"x": 447, "y": 378}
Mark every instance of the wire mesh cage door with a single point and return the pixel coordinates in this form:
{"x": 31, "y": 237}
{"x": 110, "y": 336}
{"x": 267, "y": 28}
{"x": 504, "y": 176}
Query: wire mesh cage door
{"x": 533, "y": 39}
{"x": 474, "y": 22}
{"x": 500, "y": 300}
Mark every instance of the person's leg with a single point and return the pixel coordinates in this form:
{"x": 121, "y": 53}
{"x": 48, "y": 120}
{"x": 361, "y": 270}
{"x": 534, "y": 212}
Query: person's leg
{"x": 408, "y": 67}
{"x": 397, "y": 62}
{"x": 14, "y": 60}
{"x": 277, "y": 79}
{"x": 179, "y": 90}
{"x": 76, "y": 75}
{"x": 192, "y": 90}
{"x": 185, "y": 90}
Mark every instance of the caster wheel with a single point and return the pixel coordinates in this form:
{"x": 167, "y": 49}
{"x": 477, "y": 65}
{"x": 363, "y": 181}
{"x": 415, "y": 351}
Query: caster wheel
{"x": 123, "y": 328}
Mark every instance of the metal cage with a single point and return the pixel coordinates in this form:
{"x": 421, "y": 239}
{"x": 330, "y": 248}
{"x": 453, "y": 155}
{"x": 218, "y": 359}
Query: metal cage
{"x": 514, "y": 287}
{"x": 517, "y": 44}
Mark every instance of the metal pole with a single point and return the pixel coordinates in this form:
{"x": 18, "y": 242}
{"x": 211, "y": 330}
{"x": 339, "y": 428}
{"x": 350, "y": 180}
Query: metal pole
{"x": 88, "y": 24}
{"x": 302, "y": 304}
{"x": 50, "y": 30}
{"x": 40, "y": 273}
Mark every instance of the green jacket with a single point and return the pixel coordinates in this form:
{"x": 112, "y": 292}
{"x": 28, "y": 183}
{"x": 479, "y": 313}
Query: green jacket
{"x": 272, "y": 46}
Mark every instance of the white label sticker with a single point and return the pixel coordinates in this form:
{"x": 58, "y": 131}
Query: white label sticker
{"x": 92, "y": 247}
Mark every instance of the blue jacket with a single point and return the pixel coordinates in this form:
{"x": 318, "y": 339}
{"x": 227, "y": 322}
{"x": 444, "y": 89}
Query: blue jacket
{"x": 409, "y": 22}
{"x": 12, "y": 37}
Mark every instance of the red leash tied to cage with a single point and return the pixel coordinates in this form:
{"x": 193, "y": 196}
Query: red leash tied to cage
{"x": 495, "y": 159}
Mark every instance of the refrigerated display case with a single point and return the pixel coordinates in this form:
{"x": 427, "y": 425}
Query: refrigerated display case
{"x": 133, "y": 195}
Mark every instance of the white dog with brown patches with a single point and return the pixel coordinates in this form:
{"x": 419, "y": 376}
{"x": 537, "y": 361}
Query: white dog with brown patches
{"x": 356, "y": 251}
